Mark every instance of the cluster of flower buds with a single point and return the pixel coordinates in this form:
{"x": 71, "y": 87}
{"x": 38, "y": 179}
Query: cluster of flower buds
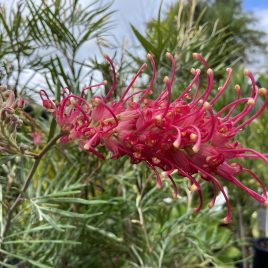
{"x": 185, "y": 136}
{"x": 9, "y": 121}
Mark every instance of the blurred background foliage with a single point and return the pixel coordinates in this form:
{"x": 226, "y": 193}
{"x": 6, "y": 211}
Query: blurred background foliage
{"x": 80, "y": 211}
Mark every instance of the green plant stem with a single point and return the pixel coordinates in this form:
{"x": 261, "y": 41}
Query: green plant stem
{"x": 27, "y": 183}
{"x": 142, "y": 222}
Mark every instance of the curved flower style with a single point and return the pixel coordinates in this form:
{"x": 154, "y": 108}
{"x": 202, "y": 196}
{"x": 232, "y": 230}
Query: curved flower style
{"x": 185, "y": 136}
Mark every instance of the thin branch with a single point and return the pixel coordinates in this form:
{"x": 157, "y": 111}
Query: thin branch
{"x": 27, "y": 183}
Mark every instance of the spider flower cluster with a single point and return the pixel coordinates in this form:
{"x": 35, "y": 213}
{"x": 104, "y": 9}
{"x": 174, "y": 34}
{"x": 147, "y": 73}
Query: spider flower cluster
{"x": 9, "y": 121}
{"x": 185, "y": 136}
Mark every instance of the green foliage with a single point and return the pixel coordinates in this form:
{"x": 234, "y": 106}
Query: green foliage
{"x": 101, "y": 214}
{"x": 238, "y": 23}
{"x": 46, "y": 38}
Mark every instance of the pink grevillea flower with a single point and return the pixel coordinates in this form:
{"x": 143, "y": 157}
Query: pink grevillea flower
{"x": 184, "y": 136}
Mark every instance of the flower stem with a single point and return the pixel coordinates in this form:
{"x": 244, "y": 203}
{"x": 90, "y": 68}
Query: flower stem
{"x": 27, "y": 184}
